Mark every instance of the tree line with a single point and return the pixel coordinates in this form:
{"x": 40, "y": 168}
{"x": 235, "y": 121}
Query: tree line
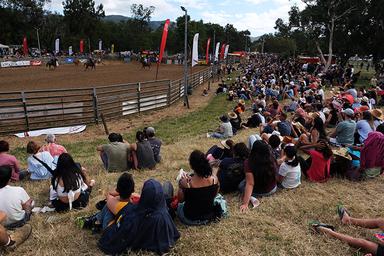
{"x": 83, "y": 19}
{"x": 336, "y": 27}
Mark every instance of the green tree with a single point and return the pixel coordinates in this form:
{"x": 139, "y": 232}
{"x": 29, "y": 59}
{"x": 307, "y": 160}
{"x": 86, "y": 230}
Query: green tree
{"x": 82, "y": 18}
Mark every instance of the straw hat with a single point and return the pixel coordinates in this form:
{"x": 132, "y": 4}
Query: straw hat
{"x": 242, "y": 102}
{"x": 224, "y": 143}
{"x": 377, "y": 113}
{"x": 232, "y": 115}
{"x": 342, "y": 152}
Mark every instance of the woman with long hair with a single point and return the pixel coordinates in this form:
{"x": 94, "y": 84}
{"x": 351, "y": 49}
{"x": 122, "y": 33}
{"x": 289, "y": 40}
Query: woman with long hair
{"x": 142, "y": 153}
{"x": 317, "y": 166}
{"x": 260, "y": 174}
{"x": 70, "y": 186}
{"x": 197, "y": 192}
{"x": 316, "y": 133}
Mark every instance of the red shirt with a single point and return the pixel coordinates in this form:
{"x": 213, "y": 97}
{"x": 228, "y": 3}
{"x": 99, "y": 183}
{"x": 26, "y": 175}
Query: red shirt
{"x": 320, "y": 167}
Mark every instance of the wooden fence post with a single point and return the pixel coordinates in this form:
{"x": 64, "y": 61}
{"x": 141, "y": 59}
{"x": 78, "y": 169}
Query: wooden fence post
{"x": 95, "y": 106}
{"x": 25, "y": 109}
{"x": 138, "y": 96}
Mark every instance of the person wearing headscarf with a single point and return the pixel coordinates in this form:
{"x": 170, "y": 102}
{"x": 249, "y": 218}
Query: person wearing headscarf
{"x": 146, "y": 226}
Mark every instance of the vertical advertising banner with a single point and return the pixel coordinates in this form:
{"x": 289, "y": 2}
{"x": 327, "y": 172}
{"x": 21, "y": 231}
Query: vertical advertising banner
{"x": 70, "y": 52}
{"x": 226, "y": 51}
{"x": 112, "y": 48}
{"x": 164, "y": 40}
{"x": 81, "y": 46}
{"x": 207, "y": 51}
{"x": 217, "y": 51}
{"x": 57, "y": 45}
{"x": 25, "y": 46}
{"x": 100, "y": 45}
{"x": 222, "y": 52}
{"x": 195, "y": 52}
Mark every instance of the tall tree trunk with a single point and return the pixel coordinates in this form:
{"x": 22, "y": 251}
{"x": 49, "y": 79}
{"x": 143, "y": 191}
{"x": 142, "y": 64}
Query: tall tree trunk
{"x": 320, "y": 52}
{"x": 330, "y": 44}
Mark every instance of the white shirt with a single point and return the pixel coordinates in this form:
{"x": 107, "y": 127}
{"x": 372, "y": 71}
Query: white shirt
{"x": 11, "y": 199}
{"x": 292, "y": 175}
{"x": 322, "y": 116}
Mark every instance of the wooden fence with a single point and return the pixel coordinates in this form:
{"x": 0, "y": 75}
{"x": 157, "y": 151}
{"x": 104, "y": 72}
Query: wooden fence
{"x": 40, "y": 109}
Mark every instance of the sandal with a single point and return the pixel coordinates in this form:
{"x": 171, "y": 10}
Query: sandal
{"x": 341, "y": 210}
{"x": 314, "y": 225}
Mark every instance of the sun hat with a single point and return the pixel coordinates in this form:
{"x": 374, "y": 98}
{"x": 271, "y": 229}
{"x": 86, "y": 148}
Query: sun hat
{"x": 365, "y": 99}
{"x": 242, "y": 102}
{"x": 232, "y": 115}
{"x": 224, "y": 143}
{"x": 377, "y": 113}
{"x": 326, "y": 110}
{"x": 349, "y": 112}
{"x": 342, "y": 152}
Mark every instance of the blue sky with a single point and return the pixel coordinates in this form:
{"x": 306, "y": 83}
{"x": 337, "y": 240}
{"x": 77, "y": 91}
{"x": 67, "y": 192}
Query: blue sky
{"x": 258, "y": 16}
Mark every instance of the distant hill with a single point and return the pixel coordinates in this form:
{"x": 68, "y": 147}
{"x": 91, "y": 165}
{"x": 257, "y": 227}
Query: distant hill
{"x": 117, "y": 18}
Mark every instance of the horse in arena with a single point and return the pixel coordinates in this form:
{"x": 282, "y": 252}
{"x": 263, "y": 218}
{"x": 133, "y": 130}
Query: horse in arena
{"x": 52, "y": 63}
{"x": 145, "y": 64}
{"x": 76, "y": 62}
{"x": 89, "y": 64}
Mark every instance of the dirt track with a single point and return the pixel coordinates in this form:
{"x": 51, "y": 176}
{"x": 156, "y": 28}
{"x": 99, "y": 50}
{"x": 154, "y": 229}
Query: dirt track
{"x": 70, "y": 76}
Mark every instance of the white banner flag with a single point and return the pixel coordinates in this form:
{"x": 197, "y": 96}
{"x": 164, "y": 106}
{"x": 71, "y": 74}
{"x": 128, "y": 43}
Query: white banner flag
{"x": 195, "y": 52}
{"x": 57, "y": 45}
{"x": 100, "y": 45}
{"x": 217, "y": 51}
{"x": 70, "y": 52}
{"x": 226, "y": 51}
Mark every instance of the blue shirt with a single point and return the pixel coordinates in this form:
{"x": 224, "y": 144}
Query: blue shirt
{"x": 37, "y": 170}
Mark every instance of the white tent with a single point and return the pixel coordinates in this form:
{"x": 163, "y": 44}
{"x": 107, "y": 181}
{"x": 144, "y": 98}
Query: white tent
{"x": 2, "y": 46}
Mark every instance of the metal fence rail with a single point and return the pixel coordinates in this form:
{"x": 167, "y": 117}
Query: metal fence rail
{"x": 40, "y": 109}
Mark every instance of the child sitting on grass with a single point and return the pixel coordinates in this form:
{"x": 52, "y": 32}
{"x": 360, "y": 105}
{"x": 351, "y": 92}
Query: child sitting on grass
{"x": 115, "y": 201}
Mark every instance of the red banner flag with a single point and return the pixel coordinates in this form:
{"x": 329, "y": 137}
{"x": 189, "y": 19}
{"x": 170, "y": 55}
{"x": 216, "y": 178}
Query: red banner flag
{"x": 222, "y": 52}
{"x": 163, "y": 40}
{"x": 207, "y": 52}
{"x": 25, "y": 46}
{"x": 81, "y": 46}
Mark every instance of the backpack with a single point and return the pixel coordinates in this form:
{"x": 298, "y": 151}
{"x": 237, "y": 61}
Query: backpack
{"x": 117, "y": 237}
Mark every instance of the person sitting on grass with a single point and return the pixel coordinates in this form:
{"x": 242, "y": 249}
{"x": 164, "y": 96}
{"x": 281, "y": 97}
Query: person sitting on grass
{"x": 231, "y": 169}
{"x": 9, "y": 242}
{"x": 375, "y": 249}
{"x": 345, "y": 130}
{"x": 224, "y": 131}
{"x": 70, "y": 186}
{"x": 14, "y": 201}
{"x": 146, "y": 226}
{"x": 289, "y": 175}
{"x": 54, "y": 149}
{"x": 155, "y": 143}
{"x": 260, "y": 174}
{"x": 317, "y": 132}
{"x": 197, "y": 192}
{"x": 142, "y": 153}
{"x": 116, "y": 154}
{"x": 40, "y": 164}
{"x": 10, "y": 160}
{"x": 115, "y": 201}
{"x": 317, "y": 167}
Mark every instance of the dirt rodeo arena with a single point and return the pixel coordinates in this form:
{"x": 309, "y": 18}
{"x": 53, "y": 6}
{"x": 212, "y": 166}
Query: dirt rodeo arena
{"x": 72, "y": 76}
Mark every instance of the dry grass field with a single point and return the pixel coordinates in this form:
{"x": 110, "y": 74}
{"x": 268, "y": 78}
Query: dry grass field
{"x": 279, "y": 226}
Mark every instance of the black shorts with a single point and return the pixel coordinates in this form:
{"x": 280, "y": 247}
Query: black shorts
{"x": 380, "y": 250}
